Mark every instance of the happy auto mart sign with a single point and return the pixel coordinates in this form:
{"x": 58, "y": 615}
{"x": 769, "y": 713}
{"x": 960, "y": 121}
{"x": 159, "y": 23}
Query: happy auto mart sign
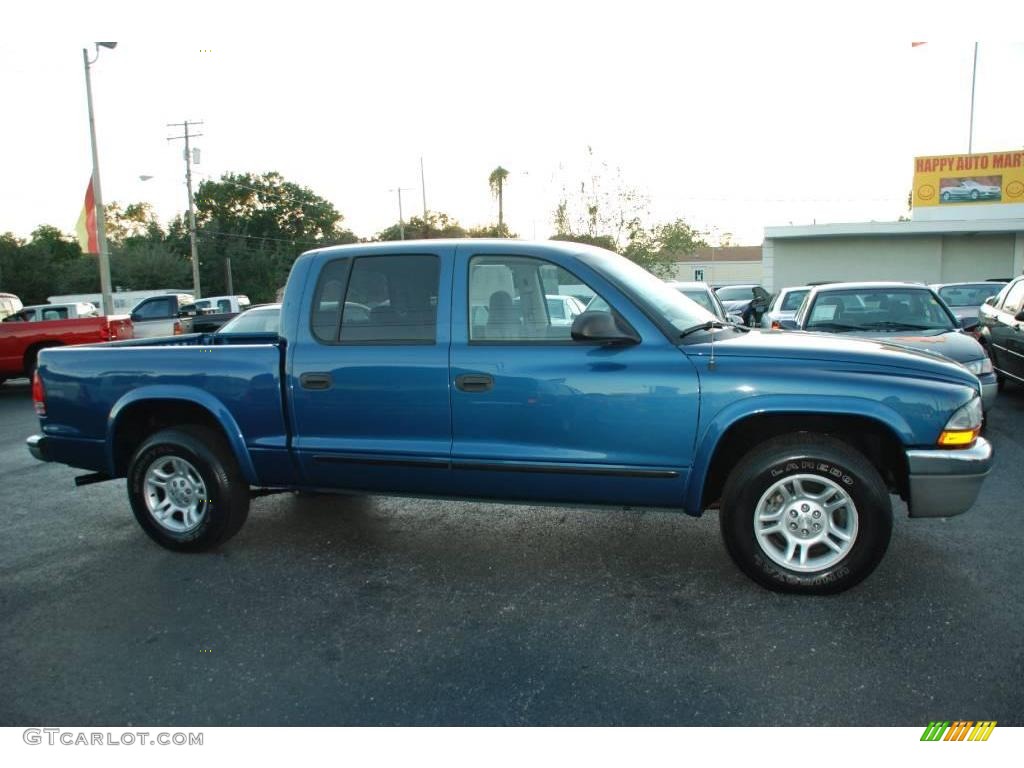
{"x": 964, "y": 181}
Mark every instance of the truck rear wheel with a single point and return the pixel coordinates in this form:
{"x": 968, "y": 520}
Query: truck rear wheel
{"x": 806, "y": 514}
{"x": 186, "y": 489}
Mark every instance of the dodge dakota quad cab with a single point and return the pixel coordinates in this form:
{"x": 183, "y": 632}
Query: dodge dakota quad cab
{"x": 433, "y": 368}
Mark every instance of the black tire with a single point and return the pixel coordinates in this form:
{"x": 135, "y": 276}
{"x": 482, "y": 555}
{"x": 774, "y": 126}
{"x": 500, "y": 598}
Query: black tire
{"x": 946, "y": 197}
{"x": 227, "y": 504}
{"x": 806, "y": 454}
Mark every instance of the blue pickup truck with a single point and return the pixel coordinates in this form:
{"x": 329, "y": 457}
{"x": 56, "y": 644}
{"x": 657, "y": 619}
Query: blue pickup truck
{"x": 433, "y": 368}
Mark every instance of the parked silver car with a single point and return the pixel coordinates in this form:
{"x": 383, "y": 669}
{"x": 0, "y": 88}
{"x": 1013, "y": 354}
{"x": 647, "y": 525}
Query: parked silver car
{"x": 703, "y": 294}
{"x": 784, "y": 306}
{"x": 965, "y": 299}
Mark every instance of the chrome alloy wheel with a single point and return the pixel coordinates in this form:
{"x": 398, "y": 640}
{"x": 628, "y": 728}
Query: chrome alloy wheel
{"x": 806, "y": 523}
{"x": 175, "y": 494}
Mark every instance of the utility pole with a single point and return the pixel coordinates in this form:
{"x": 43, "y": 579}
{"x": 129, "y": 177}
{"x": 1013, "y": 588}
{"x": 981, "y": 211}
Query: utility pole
{"x": 401, "y": 219}
{"x": 191, "y": 207}
{"x": 97, "y": 195}
{"x": 974, "y": 75}
{"x": 423, "y": 186}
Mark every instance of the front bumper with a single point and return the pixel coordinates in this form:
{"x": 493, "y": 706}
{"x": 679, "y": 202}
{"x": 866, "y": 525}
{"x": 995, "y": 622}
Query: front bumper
{"x": 945, "y": 482}
{"x": 989, "y": 388}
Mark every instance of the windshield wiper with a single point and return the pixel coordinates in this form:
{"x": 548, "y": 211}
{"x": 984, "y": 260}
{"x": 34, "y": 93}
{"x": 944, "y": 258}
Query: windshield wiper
{"x": 835, "y": 327}
{"x": 894, "y": 325}
{"x": 707, "y": 326}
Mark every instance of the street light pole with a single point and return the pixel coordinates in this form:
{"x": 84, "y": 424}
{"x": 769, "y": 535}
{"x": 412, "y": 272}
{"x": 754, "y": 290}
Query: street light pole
{"x": 974, "y": 76}
{"x": 401, "y": 218}
{"x": 97, "y": 194}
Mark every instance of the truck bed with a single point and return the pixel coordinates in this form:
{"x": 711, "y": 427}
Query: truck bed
{"x": 90, "y": 389}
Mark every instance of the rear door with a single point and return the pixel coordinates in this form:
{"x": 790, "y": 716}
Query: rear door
{"x": 368, "y": 373}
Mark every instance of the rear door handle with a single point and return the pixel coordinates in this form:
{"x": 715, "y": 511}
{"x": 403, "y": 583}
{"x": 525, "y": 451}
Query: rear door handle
{"x": 474, "y": 382}
{"x": 315, "y": 380}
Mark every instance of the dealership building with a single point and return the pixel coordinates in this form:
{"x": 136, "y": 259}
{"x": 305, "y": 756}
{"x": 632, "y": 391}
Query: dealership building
{"x": 967, "y": 224}
{"x": 915, "y": 251}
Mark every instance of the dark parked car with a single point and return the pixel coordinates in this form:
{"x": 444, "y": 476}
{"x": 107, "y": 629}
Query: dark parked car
{"x": 747, "y": 301}
{"x": 907, "y": 314}
{"x": 1000, "y": 331}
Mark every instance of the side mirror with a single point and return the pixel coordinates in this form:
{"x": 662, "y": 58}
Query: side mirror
{"x": 602, "y": 327}
{"x": 136, "y": 317}
{"x": 969, "y": 324}
{"x": 732, "y": 317}
{"x": 1019, "y": 316}
{"x": 991, "y": 301}
{"x": 787, "y": 325}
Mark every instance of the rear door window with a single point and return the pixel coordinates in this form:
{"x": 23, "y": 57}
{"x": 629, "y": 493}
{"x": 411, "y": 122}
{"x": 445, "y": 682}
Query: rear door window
{"x": 378, "y": 300}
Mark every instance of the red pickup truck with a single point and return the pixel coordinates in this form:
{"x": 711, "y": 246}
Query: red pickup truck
{"x": 20, "y": 342}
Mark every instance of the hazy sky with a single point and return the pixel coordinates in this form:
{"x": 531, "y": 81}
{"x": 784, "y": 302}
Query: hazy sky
{"x": 728, "y": 131}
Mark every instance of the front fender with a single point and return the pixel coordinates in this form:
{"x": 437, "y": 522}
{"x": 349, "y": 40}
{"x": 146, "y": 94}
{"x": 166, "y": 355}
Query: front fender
{"x": 188, "y": 394}
{"x": 780, "y": 404}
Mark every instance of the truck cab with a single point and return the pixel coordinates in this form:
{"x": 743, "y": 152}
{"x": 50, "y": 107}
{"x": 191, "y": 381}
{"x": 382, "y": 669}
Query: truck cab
{"x": 160, "y": 315}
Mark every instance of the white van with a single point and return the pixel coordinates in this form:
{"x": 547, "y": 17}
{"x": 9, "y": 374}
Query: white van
{"x": 9, "y": 304}
{"x": 36, "y": 312}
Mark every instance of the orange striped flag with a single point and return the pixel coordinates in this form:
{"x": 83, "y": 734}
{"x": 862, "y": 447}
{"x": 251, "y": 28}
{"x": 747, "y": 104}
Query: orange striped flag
{"x": 86, "y": 226}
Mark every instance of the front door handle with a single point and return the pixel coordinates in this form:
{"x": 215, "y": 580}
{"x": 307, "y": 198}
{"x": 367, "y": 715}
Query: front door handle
{"x": 474, "y": 382}
{"x": 315, "y": 380}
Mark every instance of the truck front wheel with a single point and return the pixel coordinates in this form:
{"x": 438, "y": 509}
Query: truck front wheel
{"x": 186, "y": 489}
{"x": 807, "y": 514}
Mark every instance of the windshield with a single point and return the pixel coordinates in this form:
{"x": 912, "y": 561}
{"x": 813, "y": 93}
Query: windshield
{"x": 263, "y": 320}
{"x": 792, "y": 301}
{"x": 656, "y": 296}
{"x": 735, "y": 293}
{"x": 878, "y": 309}
{"x": 968, "y": 295}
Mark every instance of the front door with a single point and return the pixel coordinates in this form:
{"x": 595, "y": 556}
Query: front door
{"x": 369, "y": 373}
{"x": 538, "y": 416}
{"x": 1007, "y": 334}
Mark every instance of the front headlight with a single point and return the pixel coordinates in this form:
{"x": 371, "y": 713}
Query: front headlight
{"x": 963, "y": 426}
{"x": 980, "y": 366}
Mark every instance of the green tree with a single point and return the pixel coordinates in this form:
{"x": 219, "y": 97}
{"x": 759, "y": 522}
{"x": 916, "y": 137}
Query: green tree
{"x": 437, "y": 225}
{"x": 661, "y": 247}
{"x": 263, "y": 222}
{"x": 42, "y": 266}
{"x": 135, "y": 222}
{"x": 496, "y": 181}
{"x": 605, "y": 210}
{"x": 492, "y": 230}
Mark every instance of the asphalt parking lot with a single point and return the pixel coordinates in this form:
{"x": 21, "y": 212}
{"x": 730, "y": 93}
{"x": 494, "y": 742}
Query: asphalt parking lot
{"x": 380, "y": 610}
